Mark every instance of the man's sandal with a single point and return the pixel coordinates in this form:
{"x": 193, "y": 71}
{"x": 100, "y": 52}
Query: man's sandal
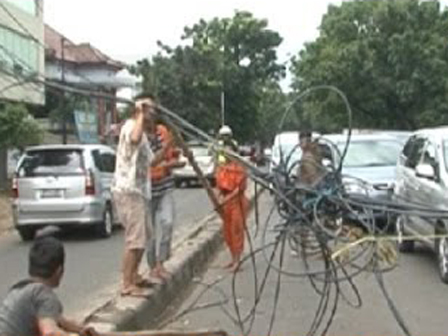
{"x": 135, "y": 292}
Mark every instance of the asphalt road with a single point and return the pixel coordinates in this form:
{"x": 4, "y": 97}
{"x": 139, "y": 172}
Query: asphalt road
{"x": 414, "y": 286}
{"x": 93, "y": 265}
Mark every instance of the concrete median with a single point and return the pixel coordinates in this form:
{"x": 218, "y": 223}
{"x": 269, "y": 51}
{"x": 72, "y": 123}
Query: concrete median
{"x": 193, "y": 249}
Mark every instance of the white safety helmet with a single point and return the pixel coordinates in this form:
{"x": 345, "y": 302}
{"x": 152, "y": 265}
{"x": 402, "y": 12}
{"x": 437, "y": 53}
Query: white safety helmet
{"x": 225, "y": 130}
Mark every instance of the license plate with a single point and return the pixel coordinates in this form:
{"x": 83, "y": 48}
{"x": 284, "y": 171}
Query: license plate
{"x": 51, "y": 193}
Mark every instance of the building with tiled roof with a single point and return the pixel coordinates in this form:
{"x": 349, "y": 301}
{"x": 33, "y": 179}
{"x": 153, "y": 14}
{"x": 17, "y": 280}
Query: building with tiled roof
{"x": 86, "y": 67}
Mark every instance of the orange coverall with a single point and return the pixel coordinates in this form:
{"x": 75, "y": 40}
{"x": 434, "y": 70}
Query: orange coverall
{"x": 231, "y": 181}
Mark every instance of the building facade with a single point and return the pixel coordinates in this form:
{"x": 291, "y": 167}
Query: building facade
{"x": 86, "y": 67}
{"x": 22, "y": 55}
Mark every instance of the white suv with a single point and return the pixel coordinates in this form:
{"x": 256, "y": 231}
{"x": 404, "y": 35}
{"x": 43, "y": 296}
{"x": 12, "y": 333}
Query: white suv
{"x": 422, "y": 177}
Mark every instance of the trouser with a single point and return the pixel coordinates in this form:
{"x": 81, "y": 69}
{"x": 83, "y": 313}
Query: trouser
{"x": 162, "y": 213}
{"x": 135, "y": 217}
{"x": 235, "y": 213}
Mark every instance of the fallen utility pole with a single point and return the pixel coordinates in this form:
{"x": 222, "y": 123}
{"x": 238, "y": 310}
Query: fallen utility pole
{"x": 188, "y": 154}
{"x": 167, "y": 333}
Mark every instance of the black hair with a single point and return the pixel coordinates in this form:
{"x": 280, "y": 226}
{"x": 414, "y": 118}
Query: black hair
{"x": 46, "y": 256}
{"x": 144, "y": 95}
{"x": 305, "y": 134}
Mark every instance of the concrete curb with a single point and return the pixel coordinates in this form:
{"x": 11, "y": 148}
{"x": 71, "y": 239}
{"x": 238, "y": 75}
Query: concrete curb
{"x": 191, "y": 255}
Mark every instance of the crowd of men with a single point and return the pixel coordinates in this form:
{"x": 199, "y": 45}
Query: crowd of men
{"x": 143, "y": 195}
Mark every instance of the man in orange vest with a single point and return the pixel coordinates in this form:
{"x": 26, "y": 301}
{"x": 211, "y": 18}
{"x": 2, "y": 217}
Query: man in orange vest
{"x": 162, "y": 202}
{"x": 231, "y": 182}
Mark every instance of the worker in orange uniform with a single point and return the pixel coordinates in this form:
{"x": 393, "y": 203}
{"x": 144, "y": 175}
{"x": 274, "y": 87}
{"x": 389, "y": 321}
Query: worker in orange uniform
{"x": 231, "y": 182}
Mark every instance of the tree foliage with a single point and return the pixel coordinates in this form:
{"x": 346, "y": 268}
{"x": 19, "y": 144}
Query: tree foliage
{"x": 389, "y": 57}
{"x": 17, "y": 127}
{"x": 237, "y": 55}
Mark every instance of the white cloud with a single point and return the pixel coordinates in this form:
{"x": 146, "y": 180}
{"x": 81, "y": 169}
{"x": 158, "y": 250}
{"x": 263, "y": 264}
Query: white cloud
{"x": 129, "y": 30}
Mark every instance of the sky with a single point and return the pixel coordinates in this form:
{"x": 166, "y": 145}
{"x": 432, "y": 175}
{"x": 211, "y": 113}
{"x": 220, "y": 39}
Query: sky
{"x": 129, "y": 30}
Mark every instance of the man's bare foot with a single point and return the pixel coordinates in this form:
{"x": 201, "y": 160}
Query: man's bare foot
{"x": 236, "y": 267}
{"x": 155, "y": 277}
{"x": 229, "y": 265}
{"x": 143, "y": 282}
{"x": 164, "y": 274}
{"x": 134, "y": 291}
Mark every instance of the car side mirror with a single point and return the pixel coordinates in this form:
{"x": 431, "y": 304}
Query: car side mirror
{"x": 326, "y": 163}
{"x": 426, "y": 171}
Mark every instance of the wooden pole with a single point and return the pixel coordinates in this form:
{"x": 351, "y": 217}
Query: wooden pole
{"x": 167, "y": 333}
{"x": 182, "y": 144}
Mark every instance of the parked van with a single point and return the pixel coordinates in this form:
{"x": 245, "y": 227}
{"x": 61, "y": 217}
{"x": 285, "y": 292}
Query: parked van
{"x": 286, "y": 150}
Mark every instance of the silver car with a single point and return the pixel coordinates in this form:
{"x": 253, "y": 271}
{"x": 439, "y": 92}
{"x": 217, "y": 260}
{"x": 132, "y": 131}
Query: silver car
{"x": 64, "y": 185}
{"x": 369, "y": 167}
{"x": 203, "y": 158}
{"x": 422, "y": 177}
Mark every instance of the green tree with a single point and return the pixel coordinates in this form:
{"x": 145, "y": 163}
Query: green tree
{"x": 272, "y": 107}
{"x": 236, "y": 55}
{"x": 389, "y": 57}
{"x": 17, "y": 127}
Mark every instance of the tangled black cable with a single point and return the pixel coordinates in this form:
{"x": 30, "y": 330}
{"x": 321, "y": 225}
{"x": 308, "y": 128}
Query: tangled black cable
{"x": 322, "y": 224}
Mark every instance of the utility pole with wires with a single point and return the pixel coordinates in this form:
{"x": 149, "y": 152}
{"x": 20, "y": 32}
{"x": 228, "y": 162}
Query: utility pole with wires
{"x": 223, "y": 108}
{"x": 62, "y": 105}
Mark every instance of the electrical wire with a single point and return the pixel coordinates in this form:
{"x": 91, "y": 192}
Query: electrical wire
{"x": 327, "y": 213}
{"x": 317, "y": 222}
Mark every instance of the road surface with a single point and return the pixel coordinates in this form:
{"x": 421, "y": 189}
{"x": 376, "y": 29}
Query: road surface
{"x": 92, "y": 265}
{"x": 414, "y": 285}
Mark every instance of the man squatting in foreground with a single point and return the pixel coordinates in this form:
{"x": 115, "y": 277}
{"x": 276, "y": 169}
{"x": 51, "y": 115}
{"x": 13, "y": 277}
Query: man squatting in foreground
{"x": 31, "y": 307}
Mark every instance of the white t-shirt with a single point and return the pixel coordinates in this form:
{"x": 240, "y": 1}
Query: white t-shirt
{"x": 133, "y": 162}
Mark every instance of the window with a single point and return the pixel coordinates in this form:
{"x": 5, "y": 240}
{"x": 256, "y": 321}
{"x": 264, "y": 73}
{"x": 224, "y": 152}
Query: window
{"x": 430, "y": 157}
{"x": 29, "y": 6}
{"x": 415, "y": 153}
{"x": 371, "y": 153}
{"x": 430, "y": 154}
{"x": 445, "y": 153}
{"x": 97, "y": 160}
{"x": 52, "y": 162}
{"x": 17, "y": 51}
{"x": 408, "y": 147}
{"x": 108, "y": 161}
{"x": 200, "y": 151}
{"x": 105, "y": 162}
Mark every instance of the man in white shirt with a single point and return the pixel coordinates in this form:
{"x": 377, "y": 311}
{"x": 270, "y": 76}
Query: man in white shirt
{"x": 132, "y": 192}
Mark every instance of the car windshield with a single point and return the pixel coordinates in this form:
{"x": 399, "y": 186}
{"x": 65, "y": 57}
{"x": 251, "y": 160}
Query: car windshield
{"x": 58, "y": 162}
{"x": 200, "y": 151}
{"x": 287, "y": 151}
{"x": 371, "y": 153}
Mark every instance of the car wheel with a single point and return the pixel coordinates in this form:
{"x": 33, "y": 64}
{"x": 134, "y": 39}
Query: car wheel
{"x": 442, "y": 256}
{"x": 26, "y": 233}
{"x": 404, "y": 245}
{"x": 106, "y": 227}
